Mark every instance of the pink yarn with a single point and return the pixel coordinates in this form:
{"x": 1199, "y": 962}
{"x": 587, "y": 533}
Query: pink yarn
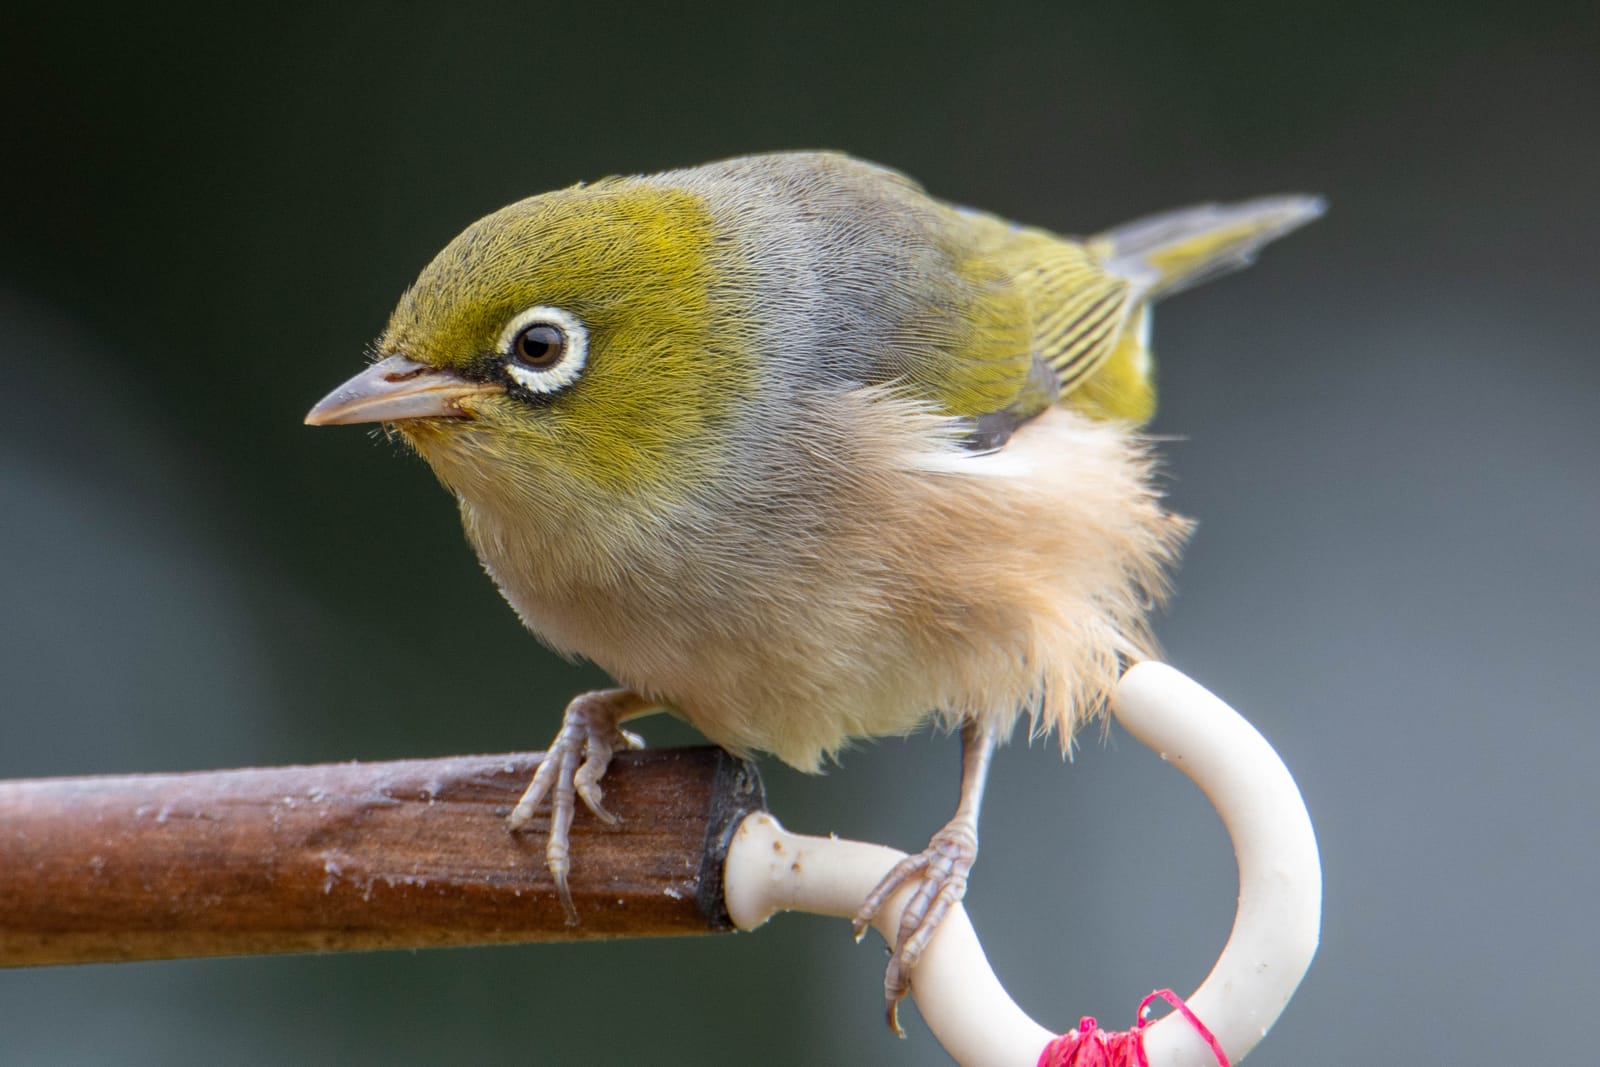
{"x": 1090, "y": 1046}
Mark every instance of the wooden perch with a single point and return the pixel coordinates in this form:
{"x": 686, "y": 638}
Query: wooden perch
{"x": 355, "y": 856}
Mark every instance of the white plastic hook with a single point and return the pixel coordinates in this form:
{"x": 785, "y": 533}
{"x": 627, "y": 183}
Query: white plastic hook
{"x": 1274, "y": 933}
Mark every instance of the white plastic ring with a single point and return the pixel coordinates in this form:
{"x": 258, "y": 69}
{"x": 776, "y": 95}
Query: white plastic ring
{"x": 1274, "y": 933}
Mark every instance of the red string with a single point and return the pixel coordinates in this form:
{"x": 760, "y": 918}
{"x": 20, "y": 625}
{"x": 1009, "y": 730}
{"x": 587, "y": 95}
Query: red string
{"x": 1090, "y": 1046}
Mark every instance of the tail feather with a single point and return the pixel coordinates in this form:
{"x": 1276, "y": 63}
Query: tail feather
{"x": 1164, "y": 253}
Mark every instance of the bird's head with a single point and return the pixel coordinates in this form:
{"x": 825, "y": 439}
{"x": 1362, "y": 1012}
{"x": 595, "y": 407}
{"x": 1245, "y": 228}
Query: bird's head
{"x": 583, "y": 342}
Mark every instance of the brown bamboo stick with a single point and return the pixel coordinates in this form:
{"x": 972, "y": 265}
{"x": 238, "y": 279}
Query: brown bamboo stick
{"x": 351, "y": 856}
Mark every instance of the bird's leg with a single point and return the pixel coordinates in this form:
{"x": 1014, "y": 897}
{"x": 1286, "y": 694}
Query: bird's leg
{"x": 940, "y": 871}
{"x": 590, "y": 729}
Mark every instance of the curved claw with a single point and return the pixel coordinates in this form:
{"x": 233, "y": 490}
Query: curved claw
{"x": 940, "y": 872}
{"x": 590, "y": 728}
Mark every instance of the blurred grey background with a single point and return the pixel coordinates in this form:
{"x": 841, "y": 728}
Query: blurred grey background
{"x": 1386, "y": 429}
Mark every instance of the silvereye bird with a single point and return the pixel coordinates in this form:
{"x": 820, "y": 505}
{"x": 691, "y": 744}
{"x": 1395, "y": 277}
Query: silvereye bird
{"x": 803, "y": 455}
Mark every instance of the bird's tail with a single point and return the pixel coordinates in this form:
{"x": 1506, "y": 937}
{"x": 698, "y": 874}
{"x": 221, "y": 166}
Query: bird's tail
{"x": 1164, "y": 253}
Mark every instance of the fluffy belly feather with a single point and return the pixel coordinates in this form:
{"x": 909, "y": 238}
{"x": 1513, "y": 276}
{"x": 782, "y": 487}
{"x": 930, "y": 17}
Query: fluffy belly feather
{"x": 897, "y": 605}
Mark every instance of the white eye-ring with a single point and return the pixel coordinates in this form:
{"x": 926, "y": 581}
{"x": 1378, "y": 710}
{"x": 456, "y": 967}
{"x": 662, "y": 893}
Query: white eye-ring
{"x": 545, "y": 348}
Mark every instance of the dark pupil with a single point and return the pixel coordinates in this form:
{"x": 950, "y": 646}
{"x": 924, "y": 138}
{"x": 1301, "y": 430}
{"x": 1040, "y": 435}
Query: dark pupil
{"x": 540, "y": 345}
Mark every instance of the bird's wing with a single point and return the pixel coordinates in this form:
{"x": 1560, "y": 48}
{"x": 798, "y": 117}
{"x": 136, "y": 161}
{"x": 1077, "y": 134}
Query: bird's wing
{"x": 1089, "y": 301}
{"x": 1079, "y": 309}
{"x": 1084, "y": 320}
{"x": 1015, "y": 320}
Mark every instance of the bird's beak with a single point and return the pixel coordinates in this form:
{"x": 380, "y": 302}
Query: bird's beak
{"x": 398, "y": 388}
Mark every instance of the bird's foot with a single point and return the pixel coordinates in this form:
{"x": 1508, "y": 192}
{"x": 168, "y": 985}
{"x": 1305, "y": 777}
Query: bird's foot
{"x": 940, "y": 873}
{"x": 589, "y": 730}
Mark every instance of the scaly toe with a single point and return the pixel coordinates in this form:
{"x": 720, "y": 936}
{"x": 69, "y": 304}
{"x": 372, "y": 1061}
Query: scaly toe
{"x": 940, "y": 872}
{"x": 571, "y": 770}
{"x": 888, "y": 886}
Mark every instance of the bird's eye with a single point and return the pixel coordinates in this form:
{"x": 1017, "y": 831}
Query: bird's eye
{"x": 540, "y": 345}
{"x": 545, "y": 349}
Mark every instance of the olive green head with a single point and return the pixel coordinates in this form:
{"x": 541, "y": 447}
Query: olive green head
{"x": 575, "y": 336}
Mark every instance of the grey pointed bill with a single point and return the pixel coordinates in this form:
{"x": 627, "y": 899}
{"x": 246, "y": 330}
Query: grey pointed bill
{"x": 398, "y": 388}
